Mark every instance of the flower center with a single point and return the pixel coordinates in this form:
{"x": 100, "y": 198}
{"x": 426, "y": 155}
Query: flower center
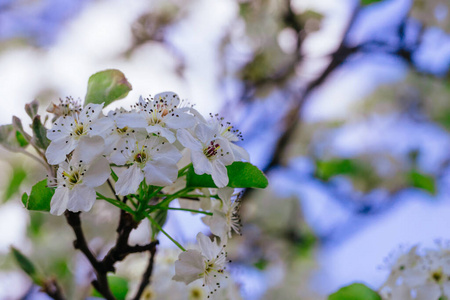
{"x": 122, "y": 130}
{"x": 211, "y": 150}
{"x": 73, "y": 177}
{"x": 79, "y": 130}
{"x": 140, "y": 157}
{"x": 437, "y": 275}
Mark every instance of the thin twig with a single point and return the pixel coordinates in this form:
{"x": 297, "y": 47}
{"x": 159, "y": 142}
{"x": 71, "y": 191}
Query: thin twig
{"x": 147, "y": 275}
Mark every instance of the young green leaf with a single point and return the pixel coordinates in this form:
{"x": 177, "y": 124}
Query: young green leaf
{"x": 32, "y": 108}
{"x": 27, "y": 266}
{"x": 422, "y": 181}
{"x": 39, "y": 133}
{"x": 106, "y": 87}
{"x": 17, "y": 123}
{"x": 240, "y": 174}
{"x": 118, "y": 285}
{"x": 355, "y": 291}
{"x": 11, "y": 139}
{"x": 39, "y": 198}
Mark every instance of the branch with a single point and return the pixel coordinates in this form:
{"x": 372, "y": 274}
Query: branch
{"x": 52, "y": 288}
{"x": 101, "y": 284}
{"x": 148, "y": 273}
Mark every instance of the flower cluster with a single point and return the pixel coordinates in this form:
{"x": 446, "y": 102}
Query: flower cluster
{"x": 419, "y": 276}
{"x": 143, "y": 149}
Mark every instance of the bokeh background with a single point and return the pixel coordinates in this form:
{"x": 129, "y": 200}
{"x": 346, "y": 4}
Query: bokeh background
{"x": 345, "y": 105}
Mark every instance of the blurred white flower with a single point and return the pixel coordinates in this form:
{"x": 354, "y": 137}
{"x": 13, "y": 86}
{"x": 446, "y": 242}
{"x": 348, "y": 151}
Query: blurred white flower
{"x": 419, "y": 277}
{"x": 208, "y": 264}
{"x": 225, "y": 218}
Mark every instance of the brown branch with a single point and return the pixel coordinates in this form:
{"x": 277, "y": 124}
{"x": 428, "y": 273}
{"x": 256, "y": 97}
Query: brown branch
{"x": 101, "y": 284}
{"x": 148, "y": 272}
{"x": 52, "y": 288}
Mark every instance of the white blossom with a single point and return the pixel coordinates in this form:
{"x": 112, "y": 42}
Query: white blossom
{"x": 159, "y": 115}
{"x": 225, "y": 218}
{"x": 75, "y": 183}
{"x": 209, "y": 153}
{"x": 207, "y": 264}
{"x": 152, "y": 158}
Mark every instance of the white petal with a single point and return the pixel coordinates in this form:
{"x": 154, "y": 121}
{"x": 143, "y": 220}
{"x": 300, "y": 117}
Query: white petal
{"x": 202, "y": 165}
{"x": 225, "y": 195}
{"x": 129, "y": 181}
{"x": 208, "y": 248}
{"x": 219, "y": 174}
{"x": 160, "y": 172}
{"x": 89, "y": 148}
{"x": 81, "y": 198}
{"x": 189, "y": 266}
{"x": 61, "y": 128}
{"x": 178, "y": 119}
{"x": 205, "y": 133}
{"x": 131, "y": 119}
{"x": 164, "y": 132}
{"x": 168, "y": 152}
{"x": 97, "y": 173}
{"x": 58, "y": 149}
{"x": 188, "y": 141}
{"x": 90, "y": 112}
{"x": 171, "y": 98}
{"x": 239, "y": 153}
{"x": 218, "y": 225}
{"x": 102, "y": 127}
{"x": 59, "y": 201}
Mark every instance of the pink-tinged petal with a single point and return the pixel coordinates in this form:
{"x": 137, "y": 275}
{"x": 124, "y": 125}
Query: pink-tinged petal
{"x": 81, "y": 198}
{"x": 129, "y": 181}
{"x": 187, "y": 140}
{"x": 58, "y": 149}
{"x": 131, "y": 119}
{"x": 98, "y": 173}
{"x": 58, "y": 204}
{"x": 219, "y": 174}
{"x": 102, "y": 127}
{"x": 171, "y": 98}
{"x": 161, "y": 131}
{"x": 202, "y": 165}
{"x": 90, "y": 112}
{"x": 160, "y": 172}
{"x": 89, "y": 148}
{"x": 178, "y": 119}
{"x": 189, "y": 266}
{"x": 205, "y": 133}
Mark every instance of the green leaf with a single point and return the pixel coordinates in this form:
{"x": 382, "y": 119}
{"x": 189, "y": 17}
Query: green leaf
{"x": 21, "y": 140}
{"x": 325, "y": 169}
{"x": 10, "y": 138}
{"x": 118, "y": 285}
{"x": 422, "y": 181}
{"x": 355, "y": 291}
{"x": 32, "y": 108}
{"x": 368, "y": 2}
{"x": 27, "y": 266}
{"x": 107, "y": 86}
{"x": 240, "y": 174}
{"x": 39, "y": 133}
{"x": 17, "y": 123}
{"x": 18, "y": 176}
{"x": 39, "y": 198}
